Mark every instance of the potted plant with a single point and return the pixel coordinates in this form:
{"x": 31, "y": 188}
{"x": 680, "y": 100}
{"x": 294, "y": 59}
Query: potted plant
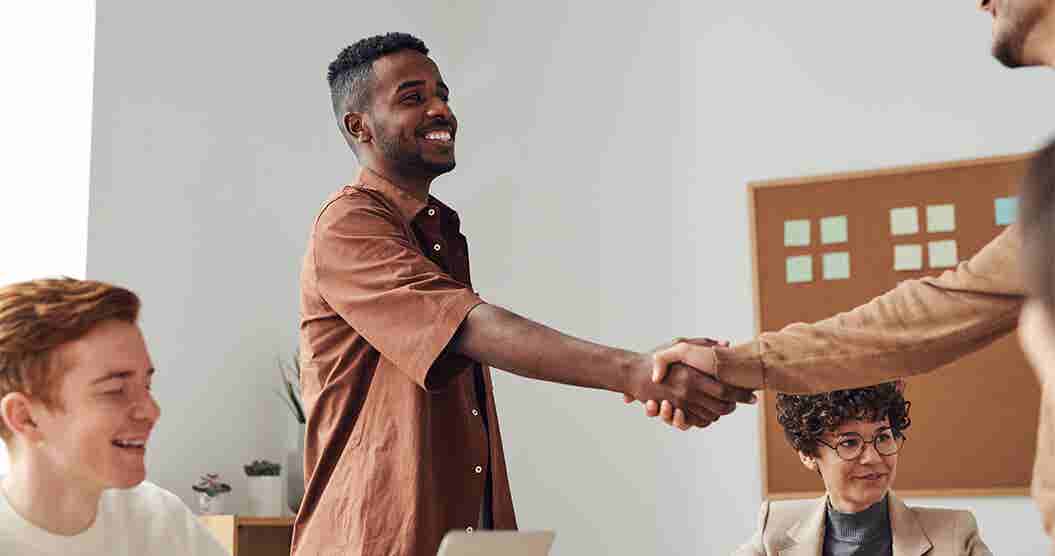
{"x": 265, "y": 488}
{"x": 289, "y": 372}
{"x": 211, "y": 491}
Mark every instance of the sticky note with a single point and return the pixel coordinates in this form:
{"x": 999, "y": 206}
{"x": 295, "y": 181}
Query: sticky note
{"x": 836, "y": 266}
{"x": 796, "y": 233}
{"x": 942, "y": 254}
{"x": 904, "y": 221}
{"x": 800, "y": 269}
{"x": 908, "y": 257}
{"x": 941, "y": 218}
{"x": 1006, "y": 211}
{"x": 833, "y": 229}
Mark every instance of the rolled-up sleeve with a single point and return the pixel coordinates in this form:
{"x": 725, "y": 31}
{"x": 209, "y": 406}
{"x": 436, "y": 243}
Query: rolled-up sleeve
{"x": 372, "y": 274}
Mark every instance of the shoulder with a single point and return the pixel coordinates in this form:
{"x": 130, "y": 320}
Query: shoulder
{"x": 936, "y": 519}
{"x": 783, "y": 514}
{"x": 145, "y": 499}
{"x": 357, "y": 207}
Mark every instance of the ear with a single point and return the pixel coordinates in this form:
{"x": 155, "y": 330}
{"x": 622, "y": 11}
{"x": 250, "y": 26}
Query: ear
{"x": 809, "y": 461}
{"x": 357, "y": 128}
{"x": 16, "y": 410}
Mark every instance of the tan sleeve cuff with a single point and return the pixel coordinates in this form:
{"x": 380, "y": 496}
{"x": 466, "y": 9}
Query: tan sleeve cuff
{"x": 741, "y": 366}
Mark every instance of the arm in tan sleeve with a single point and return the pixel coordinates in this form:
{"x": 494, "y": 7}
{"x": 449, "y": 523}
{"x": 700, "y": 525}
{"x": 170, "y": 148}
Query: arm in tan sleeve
{"x": 918, "y": 326}
{"x": 756, "y": 546}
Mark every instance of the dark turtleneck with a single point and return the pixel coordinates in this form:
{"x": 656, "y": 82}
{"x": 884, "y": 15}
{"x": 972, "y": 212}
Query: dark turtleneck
{"x": 865, "y": 533}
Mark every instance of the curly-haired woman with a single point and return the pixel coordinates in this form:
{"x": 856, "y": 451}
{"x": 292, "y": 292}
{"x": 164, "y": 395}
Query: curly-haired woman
{"x": 851, "y": 438}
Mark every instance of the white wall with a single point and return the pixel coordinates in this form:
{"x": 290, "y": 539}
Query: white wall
{"x": 602, "y": 161}
{"x": 46, "y": 113}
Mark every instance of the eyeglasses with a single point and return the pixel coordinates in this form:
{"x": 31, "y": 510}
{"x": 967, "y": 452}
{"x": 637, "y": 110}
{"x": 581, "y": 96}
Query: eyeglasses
{"x": 886, "y": 443}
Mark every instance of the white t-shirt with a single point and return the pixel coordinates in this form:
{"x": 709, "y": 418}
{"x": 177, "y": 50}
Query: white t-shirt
{"x": 141, "y": 521}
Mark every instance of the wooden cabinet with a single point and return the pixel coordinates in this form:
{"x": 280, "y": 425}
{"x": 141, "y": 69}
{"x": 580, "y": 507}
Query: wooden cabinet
{"x": 251, "y": 536}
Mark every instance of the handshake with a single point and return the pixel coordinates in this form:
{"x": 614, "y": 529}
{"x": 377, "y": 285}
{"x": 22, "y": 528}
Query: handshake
{"x": 680, "y": 386}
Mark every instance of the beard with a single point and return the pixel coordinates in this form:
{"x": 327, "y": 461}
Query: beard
{"x": 408, "y": 157}
{"x": 1009, "y": 46}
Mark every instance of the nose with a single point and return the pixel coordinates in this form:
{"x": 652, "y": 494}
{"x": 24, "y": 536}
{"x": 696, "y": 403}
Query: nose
{"x": 147, "y": 409}
{"x": 870, "y": 454}
{"x": 438, "y": 108}
{"x": 984, "y": 5}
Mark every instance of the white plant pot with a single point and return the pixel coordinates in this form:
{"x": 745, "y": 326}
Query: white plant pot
{"x": 210, "y": 505}
{"x": 266, "y": 496}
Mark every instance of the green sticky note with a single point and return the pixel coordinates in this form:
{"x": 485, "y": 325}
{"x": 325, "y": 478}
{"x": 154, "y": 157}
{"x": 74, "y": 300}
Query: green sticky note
{"x": 833, "y": 229}
{"x": 836, "y": 266}
{"x": 904, "y": 221}
{"x": 908, "y": 257}
{"x": 796, "y": 233}
{"x": 800, "y": 269}
{"x": 942, "y": 254}
{"x": 941, "y": 218}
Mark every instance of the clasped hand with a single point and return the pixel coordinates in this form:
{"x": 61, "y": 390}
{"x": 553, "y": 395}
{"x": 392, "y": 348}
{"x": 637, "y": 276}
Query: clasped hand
{"x": 681, "y": 374}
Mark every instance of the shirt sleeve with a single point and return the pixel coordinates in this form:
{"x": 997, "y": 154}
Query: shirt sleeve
{"x": 372, "y": 274}
{"x": 918, "y": 326}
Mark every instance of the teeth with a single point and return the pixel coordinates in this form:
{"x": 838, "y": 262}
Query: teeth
{"x": 130, "y": 443}
{"x": 438, "y": 135}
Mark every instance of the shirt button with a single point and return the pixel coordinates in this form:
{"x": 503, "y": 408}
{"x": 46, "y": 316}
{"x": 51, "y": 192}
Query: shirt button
{"x": 469, "y": 529}
{"x": 436, "y": 247}
{"x": 479, "y": 469}
{"x": 432, "y": 212}
{"x": 475, "y": 413}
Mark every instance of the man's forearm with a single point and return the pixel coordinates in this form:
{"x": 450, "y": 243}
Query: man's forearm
{"x": 500, "y": 338}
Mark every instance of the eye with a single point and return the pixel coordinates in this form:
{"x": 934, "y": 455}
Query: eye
{"x": 412, "y": 98}
{"x": 885, "y": 436}
{"x": 850, "y": 442}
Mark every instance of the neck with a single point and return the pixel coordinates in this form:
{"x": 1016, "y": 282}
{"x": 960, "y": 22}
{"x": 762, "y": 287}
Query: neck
{"x": 847, "y": 507}
{"x": 49, "y": 500}
{"x": 415, "y": 184}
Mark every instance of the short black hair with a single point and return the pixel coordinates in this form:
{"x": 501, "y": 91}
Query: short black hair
{"x": 350, "y": 74}
{"x": 805, "y": 418}
{"x": 1038, "y": 226}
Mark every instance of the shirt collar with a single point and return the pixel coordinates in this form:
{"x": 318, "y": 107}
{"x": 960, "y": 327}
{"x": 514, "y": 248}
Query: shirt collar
{"x": 407, "y": 204}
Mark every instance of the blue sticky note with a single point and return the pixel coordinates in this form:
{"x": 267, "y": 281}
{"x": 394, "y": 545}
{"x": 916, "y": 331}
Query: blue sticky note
{"x": 799, "y": 269}
{"x": 1006, "y": 211}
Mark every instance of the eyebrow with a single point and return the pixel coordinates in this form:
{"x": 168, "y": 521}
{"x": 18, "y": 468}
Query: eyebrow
{"x": 418, "y": 83}
{"x": 877, "y": 431}
{"x": 120, "y": 375}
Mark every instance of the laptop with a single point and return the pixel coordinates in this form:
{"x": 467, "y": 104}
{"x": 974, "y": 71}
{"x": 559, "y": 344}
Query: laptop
{"x": 496, "y": 543}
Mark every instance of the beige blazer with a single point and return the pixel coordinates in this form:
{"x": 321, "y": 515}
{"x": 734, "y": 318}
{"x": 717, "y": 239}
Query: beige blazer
{"x": 796, "y": 528}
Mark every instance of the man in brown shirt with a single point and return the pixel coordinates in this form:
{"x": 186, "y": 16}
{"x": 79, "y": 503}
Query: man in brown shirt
{"x": 403, "y": 441}
{"x": 921, "y": 324}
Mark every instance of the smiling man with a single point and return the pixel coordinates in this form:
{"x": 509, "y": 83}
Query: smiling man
{"x": 403, "y": 441}
{"x": 76, "y": 413}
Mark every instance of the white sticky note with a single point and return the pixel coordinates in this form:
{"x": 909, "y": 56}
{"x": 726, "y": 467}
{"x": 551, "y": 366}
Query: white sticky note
{"x": 942, "y": 254}
{"x": 941, "y": 218}
{"x": 833, "y": 229}
{"x": 836, "y": 266}
{"x": 908, "y": 257}
{"x": 796, "y": 233}
{"x": 800, "y": 269}
{"x": 904, "y": 221}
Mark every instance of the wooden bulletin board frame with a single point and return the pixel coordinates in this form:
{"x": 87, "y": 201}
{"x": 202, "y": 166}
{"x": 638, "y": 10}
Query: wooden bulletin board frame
{"x": 964, "y": 183}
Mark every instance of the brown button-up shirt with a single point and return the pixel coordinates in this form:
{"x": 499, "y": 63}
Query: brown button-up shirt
{"x": 916, "y": 327}
{"x": 398, "y": 448}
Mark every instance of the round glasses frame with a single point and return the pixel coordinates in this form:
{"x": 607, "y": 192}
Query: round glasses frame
{"x": 850, "y": 453}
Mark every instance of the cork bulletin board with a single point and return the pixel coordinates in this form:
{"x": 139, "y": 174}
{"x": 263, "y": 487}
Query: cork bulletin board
{"x": 827, "y": 244}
